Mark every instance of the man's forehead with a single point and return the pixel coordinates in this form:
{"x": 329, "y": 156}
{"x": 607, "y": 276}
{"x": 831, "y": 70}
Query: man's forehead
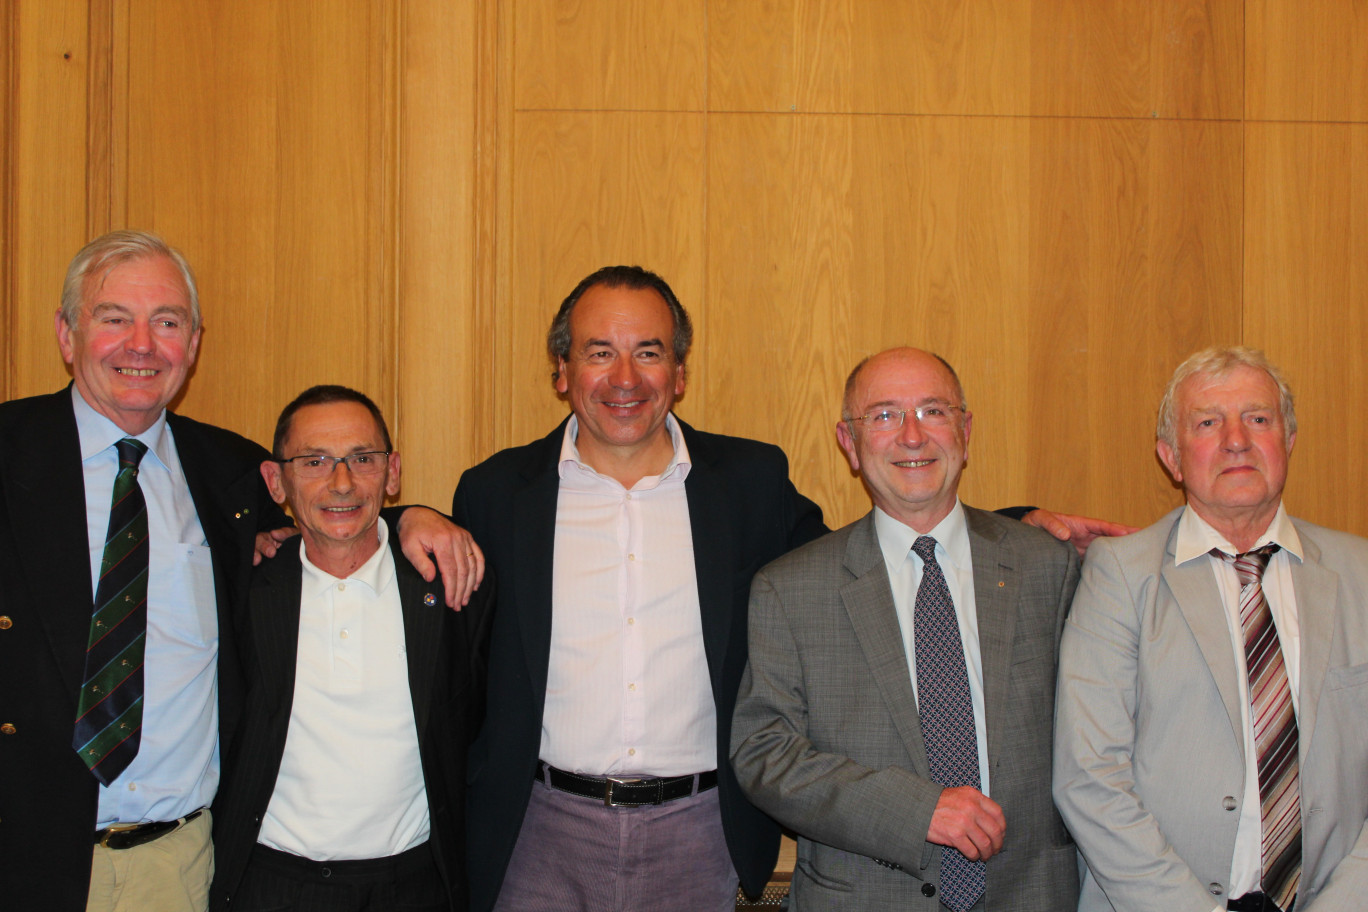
{"x": 1248, "y": 387}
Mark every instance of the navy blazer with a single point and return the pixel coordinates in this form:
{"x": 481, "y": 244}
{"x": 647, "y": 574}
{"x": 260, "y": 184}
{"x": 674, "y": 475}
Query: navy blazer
{"x": 48, "y": 799}
{"x": 446, "y": 671}
{"x": 744, "y": 512}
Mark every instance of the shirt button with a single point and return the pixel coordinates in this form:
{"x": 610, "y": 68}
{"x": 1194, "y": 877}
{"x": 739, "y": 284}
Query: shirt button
{"x": 631, "y": 687}
{"x": 631, "y": 751}
{"x": 341, "y": 587}
{"x": 345, "y": 633}
{"x": 631, "y": 621}
{"x": 631, "y": 557}
{"x": 132, "y": 786}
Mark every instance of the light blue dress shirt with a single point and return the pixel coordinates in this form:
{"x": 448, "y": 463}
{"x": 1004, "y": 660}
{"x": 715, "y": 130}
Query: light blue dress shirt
{"x": 176, "y": 770}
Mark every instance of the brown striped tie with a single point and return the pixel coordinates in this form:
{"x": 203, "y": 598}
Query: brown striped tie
{"x": 1275, "y": 730}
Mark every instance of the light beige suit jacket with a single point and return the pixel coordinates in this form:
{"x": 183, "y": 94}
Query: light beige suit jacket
{"x": 1149, "y": 756}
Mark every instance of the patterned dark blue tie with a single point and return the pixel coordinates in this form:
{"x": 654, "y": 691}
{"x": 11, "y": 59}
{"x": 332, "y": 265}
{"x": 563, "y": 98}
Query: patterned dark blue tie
{"x": 109, "y": 710}
{"x": 946, "y": 712}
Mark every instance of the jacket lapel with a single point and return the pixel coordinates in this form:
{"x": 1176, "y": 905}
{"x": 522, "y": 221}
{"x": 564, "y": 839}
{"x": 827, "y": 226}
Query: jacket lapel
{"x": 534, "y": 538}
{"x": 1318, "y": 610}
{"x": 274, "y": 609}
{"x": 1194, "y": 590}
{"x": 424, "y": 608}
{"x": 45, "y": 493}
{"x": 711, "y": 529}
{"x": 869, "y": 604}
{"x": 995, "y": 584}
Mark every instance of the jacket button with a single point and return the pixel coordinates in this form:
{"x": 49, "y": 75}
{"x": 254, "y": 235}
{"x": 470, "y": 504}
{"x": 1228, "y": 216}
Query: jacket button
{"x": 1216, "y": 889}
{"x": 5, "y": 622}
{"x": 928, "y": 889}
{"x": 1229, "y": 803}
{"x": 7, "y": 729}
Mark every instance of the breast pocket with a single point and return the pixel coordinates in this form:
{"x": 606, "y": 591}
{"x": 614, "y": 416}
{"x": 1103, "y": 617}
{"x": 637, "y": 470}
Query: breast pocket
{"x": 180, "y": 594}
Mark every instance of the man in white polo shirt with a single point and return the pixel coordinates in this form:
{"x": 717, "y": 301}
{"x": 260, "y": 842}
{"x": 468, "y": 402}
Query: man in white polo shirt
{"x": 346, "y": 787}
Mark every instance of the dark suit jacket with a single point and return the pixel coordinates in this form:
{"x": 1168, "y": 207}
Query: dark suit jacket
{"x": 744, "y": 512}
{"x": 446, "y": 671}
{"x": 48, "y": 799}
{"x": 827, "y": 737}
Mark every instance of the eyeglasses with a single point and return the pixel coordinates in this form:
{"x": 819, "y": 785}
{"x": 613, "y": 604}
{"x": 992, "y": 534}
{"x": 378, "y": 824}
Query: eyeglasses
{"x": 937, "y": 414}
{"x": 317, "y": 465}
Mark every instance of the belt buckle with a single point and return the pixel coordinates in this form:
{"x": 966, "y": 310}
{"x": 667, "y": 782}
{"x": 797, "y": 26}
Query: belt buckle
{"x": 609, "y": 782}
{"x": 115, "y": 830}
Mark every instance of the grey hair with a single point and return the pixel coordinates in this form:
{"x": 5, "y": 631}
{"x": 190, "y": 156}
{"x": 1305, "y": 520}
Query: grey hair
{"x": 108, "y": 251}
{"x": 1217, "y": 362}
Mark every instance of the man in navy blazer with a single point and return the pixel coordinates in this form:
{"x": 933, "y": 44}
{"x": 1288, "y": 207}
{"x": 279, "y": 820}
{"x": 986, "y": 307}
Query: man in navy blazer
{"x": 129, "y": 326}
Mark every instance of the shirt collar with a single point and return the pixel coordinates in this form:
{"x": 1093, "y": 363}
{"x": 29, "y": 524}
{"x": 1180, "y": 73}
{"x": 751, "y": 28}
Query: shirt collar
{"x": 1197, "y": 537}
{"x": 679, "y": 462}
{"x": 376, "y": 573}
{"x": 97, "y": 433}
{"x": 951, "y": 533}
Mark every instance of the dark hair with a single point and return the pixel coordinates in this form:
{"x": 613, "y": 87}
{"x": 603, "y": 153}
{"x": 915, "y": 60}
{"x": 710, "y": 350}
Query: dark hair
{"x": 322, "y": 395}
{"x": 558, "y": 337}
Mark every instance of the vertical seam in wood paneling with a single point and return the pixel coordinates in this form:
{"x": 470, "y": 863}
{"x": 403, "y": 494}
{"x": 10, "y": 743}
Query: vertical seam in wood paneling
{"x": 9, "y": 30}
{"x": 491, "y": 425}
{"x": 1242, "y": 234}
{"x": 388, "y": 237}
{"x": 99, "y": 115}
{"x": 700, "y": 409}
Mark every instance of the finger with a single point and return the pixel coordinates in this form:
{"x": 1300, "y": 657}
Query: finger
{"x": 475, "y": 572}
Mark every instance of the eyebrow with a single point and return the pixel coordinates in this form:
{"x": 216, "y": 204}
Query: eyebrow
{"x": 644, "y": 343}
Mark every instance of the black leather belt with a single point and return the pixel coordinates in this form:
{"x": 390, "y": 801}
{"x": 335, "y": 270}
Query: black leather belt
{"x": 619, "y": 791}
{"x": 1253, "y": 902}
{"x": 126, "y": 836}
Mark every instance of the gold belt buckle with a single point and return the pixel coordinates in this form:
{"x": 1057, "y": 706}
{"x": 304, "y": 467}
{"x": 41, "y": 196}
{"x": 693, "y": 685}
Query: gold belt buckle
{"x": 115, "y": 829}
{"x": 609, "y": 782}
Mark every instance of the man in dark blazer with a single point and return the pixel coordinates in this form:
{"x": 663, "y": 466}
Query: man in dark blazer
{"x": 343, "y": 779}
{"x": 129, "y": 328}
{"x": 837, "y": 724}
{"x": 742, "y": 511}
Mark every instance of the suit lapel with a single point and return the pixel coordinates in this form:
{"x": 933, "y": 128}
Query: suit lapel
{"x": 1194, "y": 590}
{"x": 274, "y": 610}
{"x": 711, "y": 529}
{"x": 423, "y": 607}
{"x": 45, "y": 492}
{"x": 995, "y": 586}
{"x": 1318, "y": 610}
{"x": 869, "y": 604}
{"x": 534, "y": 538}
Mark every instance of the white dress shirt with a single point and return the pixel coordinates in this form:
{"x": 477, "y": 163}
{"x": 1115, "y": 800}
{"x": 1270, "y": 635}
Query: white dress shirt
{"x": 351, "y": 779}
{"x": 176, "y": 770}
{"x": 1195, "y": 540}
{"x": 904, "y": 578}
{"x": 627, "y": 688}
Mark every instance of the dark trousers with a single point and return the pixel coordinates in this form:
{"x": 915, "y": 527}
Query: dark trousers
{"x": 277, "y": 881}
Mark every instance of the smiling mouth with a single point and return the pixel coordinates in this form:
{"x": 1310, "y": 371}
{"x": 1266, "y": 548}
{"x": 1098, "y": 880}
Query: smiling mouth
{"x": 913, "y": 463}
{"x": 623, "y": 405}
{"x": 340, "y": 510}
{"x": 137, "y": 371}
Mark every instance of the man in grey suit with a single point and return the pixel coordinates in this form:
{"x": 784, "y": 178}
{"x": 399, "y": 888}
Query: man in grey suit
{"x": 896, "y": 712}
{"x": 1213, "y": 687}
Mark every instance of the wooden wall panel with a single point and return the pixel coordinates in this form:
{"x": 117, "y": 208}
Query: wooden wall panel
{"x": 593, "y": 190}
{"x": 882, "y": 56}
{"x": 441, "y": 364}
{"x": 1306, "y": 302}
{"x": 1135, "y": 239}
{"x": 1166, "y": 58}
{"x": 1175, "y": 58}
{"x": 46, "y": 151}
{"x": 267, "y": 169}
{"x": 1307, "y": 60}
{"x": 905, "y": 231}
{"x": 610, "y": 54}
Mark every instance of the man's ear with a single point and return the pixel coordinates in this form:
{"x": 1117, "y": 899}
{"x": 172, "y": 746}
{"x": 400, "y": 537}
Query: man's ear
{"x": 392, "y": 475}
{"x": 272, "y": 471}
{"x": 847, "y": 442}
{"x": 1168, "y": 455}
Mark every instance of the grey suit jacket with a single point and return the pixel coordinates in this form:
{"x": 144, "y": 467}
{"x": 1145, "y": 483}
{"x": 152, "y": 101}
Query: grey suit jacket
{"x": 1149, "y": 758}
{"x": 826, "y": 737}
